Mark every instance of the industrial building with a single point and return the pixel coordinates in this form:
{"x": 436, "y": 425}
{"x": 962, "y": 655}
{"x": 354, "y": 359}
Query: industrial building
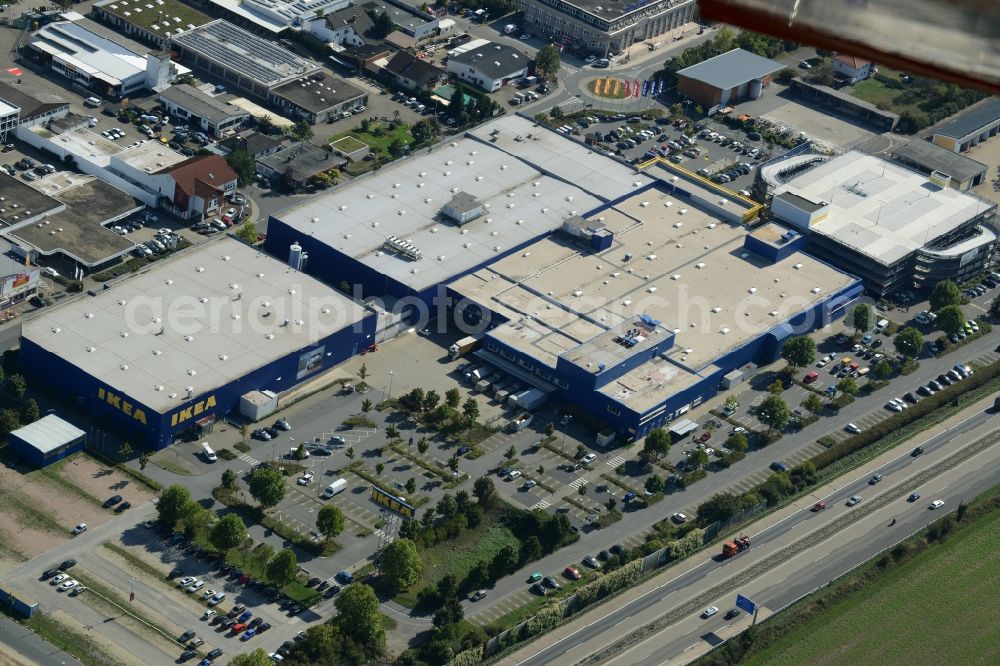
{"x": 166, "y": 353}
{"x": 318, "y": 98}
{"x": 726, "y": 79}
{"x": 241, "y": 59}
{"x": 31, "y": 108}
{"x": 154, "y": 24}
{"x": 605, "y": 27}
{"x": 895, "y": 228}
{"x": 490, "y": 66}
{"x": 100, "y": 61}
{"x": 970, "y": 128}
{"x": 631, "y": 295}
{"x": 47, "y": 440}
{"x": 269, "y": 17}
{"x": 928, "y": 158}
{"x": 213, "y": 116}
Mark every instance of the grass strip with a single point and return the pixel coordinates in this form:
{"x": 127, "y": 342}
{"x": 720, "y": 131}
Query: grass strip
{"x": 137, "y": 562}
{"x": 29, "y": 513}
{"x": 71, "y": 641}
{"x": 171, "y": 466}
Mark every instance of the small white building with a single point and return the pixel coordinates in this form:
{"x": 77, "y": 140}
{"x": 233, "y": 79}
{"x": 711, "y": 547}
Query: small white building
{"x": 852, "y": 68}
{"x": 346, "y": 26}
{"x": 490, "y": 66}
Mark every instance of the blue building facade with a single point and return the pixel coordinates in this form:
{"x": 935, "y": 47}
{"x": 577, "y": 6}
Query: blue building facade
{"x": 112, "y": 410}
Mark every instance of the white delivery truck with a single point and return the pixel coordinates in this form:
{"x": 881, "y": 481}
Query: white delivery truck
{"x": 209, "y": 453}
{"x": 334, "y": 488}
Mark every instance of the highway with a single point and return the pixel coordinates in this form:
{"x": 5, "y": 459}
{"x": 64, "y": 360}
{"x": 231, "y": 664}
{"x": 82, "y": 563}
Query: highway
{"x": 684, "y": 640}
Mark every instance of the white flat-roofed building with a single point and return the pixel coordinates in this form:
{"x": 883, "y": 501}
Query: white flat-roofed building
{"x": 273, "y": 16}
{"x": 244, "y": 60}
{"x": 896, "y": 228}
{"x": 174, "y": 347}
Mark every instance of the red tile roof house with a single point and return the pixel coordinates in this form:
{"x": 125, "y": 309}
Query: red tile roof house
{"x": 852, "y": 68}
{"x": 200, "y": 186}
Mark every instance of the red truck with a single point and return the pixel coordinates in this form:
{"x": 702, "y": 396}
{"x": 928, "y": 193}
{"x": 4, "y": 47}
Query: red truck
{"x": 737, "y": 545}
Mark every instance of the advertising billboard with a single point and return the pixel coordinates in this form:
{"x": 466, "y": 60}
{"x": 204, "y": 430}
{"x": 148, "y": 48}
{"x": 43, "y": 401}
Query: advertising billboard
{"x": 310, "y": 362}
{"x": 393, "y": 503}
{"x": 12, "y": 284}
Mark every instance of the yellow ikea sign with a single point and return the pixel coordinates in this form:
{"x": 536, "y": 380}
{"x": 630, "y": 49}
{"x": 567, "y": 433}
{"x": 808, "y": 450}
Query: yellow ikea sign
{"x": 122, "y": 405}
{"x": 192, "y": 410}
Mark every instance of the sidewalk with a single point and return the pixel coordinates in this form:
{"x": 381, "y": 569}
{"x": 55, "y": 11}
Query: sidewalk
{"x": 669, "y": 573}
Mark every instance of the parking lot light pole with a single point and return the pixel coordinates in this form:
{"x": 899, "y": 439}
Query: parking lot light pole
{"x": 389, "y": 394}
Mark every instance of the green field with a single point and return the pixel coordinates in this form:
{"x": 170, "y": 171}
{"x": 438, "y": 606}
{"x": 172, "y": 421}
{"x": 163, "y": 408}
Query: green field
{"x": 933, "y": 609}
{"x": 378, "y": 136}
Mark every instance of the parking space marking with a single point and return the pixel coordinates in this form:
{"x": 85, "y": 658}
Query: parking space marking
{"x": 576, "y": 483}
{"x": 248, "y": 459}
{"x": 541, "y": 504}
{"x": 616, "y": 461}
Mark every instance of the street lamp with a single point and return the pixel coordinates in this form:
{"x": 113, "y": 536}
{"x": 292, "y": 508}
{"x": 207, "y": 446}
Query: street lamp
{"x": 389, "y": 394}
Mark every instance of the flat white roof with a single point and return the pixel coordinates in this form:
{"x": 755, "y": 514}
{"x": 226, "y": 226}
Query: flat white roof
{"x": 48, "y": 433}
{"x": 881, "y": 209}
{"x": 199, "y": 320}
{"x": 150, "y": 157}
{"x": 277, "y": 15}
{"x": 84, "y": 143}
{"x": 89, "y": 52}
{"x": 7, "y": 110}
{"x": 404, "y": 200}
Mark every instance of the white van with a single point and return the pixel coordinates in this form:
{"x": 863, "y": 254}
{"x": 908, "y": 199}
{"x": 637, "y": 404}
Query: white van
{"x": 881, "y": 325}
{"x": 334, "y": 488}
{"x": 209, "y": 453}
{"x": 92, "y": 101}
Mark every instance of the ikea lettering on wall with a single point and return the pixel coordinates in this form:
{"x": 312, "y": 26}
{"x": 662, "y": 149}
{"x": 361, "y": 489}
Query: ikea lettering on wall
{"x": 392, "y": 503}
{"x": 192, "y": 410}
{"x": 122, "y": 405}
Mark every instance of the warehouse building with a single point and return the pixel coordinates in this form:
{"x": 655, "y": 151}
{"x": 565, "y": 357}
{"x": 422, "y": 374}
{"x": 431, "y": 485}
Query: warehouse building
{"x": 929, "y": 158}
{"x": 895, "y": 228}
{"x": 318, "y": 98}
{"x": 605, "y": 27}
{"x": 241, "y": 59}
{"x": 726, "y": 79}
{"x": 269, "y": 17}
{"x": 971, "y": 128}
{"x": 166, "y": 353}
{"x": 47, "y": 440}
{"x": 154, "y": 24}
{"x": 629, "y": 295}
{"x": 213, "y": 116}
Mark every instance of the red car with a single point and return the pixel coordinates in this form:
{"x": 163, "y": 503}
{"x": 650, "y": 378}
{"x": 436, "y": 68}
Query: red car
{"x": 705, "y": 436}
{"x": 819, "y": 506}
{"x": 572, "y": 572}
{"x": 238, "y": 628}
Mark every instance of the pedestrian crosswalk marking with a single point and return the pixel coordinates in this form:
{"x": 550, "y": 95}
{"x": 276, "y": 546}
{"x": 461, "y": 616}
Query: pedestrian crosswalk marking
{"x": 248, "y": 459}
{"x": 617, "y": 460}
{"x": 576, "y": 483}
{"x": 543, "y": 504}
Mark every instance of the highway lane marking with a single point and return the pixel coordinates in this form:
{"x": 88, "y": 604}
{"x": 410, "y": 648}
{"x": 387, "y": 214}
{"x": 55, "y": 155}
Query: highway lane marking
{"x": 821, "y": 557}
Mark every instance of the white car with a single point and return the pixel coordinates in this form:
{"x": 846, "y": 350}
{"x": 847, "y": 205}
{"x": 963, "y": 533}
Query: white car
{"x": 709, "y": 612}
{"x": 187, "y": 580}
{"x": 854, "y": 500}
{"x": 217, "y": 599}
{"x": 58, "y": 578}
{"x": 69, "y": 583}
{"x": 195, "y": 586}
{"x": 529, "y": 484}
{"x": 513, "y": 475}
{"x": 80, "y": 529}
{"x": 823, "y": 361}
{"x": 936, "y": 504}
{"x": 207, "y": 594}
{"x": 305, "y": 479}
{"x": 589, "y": 458}
{"x": 51, "y": 272}
{"x": 679, "y": 518}
{"x": 207, "y": 615}
{"x": 852, "y": 427}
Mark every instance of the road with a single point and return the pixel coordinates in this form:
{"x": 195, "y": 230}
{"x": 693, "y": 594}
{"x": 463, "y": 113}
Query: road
{"x": 24, "y": 646}
{"x": 602, "y": 626}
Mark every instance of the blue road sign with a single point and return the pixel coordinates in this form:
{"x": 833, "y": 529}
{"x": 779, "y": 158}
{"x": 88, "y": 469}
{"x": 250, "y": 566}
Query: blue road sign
{"x": 744, "y": 603}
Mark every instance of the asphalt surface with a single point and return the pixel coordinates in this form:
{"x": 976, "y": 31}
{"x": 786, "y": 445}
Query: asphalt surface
{"x": 23, "y": 644}
{"x": 963, "y": 482}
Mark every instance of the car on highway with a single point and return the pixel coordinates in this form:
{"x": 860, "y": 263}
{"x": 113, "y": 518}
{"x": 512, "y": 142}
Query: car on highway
{"x": 936, "y": 504}
{"x": 477, "y": 595}
{"x": 913, "y": 497}
{"x": 875, "y": 479}
{"x": 731, "y": 613}
{"x": 709, "y": 612}
{"x": 818, "y": 506}
{"x": 917, "y": 451}
{"x": 854, "y": 500}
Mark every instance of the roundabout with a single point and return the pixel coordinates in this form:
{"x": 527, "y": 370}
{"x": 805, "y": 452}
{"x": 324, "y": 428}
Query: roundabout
{"x": 609, "y": 87}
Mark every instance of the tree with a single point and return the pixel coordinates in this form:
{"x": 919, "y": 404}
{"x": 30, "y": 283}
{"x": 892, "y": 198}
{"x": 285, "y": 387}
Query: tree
{"x": 908, "y": 342}
{"x": 719, "y": 507}
{"x": 450, "y": 613}
{"x": 329, "y": 521}
{"x": 431, "y": 400}
{"x": 737, "y": 441}
{"x": 401, "y": 564}
{"x": 396, "y": 147}
{"x": 654, "y": 484}
{"x": 485, "y": 491}
{"x": 550, "y": 428}
{"x": 882, "y": 370}
{"x": 244, "y": 166}
{"x": 424, "y": 130}
{"x": 945, "y": 293}
{"x": 125, "y": 452}
{"x": 350, "y": 452}
{"x": 799, "y": 351}
{"x": 301, "y": 131}
{"x": 995, "y": 307}
{"x": 547, "y": 60}
{"x": 363, "y": 372}
{"x": 247, "y": 232}
{"x": 511, "y": 453}
{"x": 698, "y": 458}
{"x": 848, "y": 385}
{"x": 470, "y": 409}
{"x": 175, "y": 502}
{"x": 776, "y": 387}
{"x": 612, "y": 502}
{"x": 229, "y": 479}
{"x": 267, "y": 486}
{"x": 228, "y": 532}
{"x": 9, "y": 422}
{"x": 382, "y": 24}
{"x": 196, "y": 519}
{"x": 861, "y": 318}
{"x": 505, "y": 561}
{"x": 359, "y": 615}
{"x": 773, "y": 412}
{"x": 263, "y": 554}
{"x": 366, "y": 405}
{"x": 143, "y": 460}
{"x": 453, "y": 398}
{"x": 581, "y": 489}
{"x": 813, "y": 403}
{"x": 282, "y": 569}
{"x": 557, "y": 113}
{"x": 423, "y": 445}
{"x": 657, "y": 443}
{"x": 30, "y": 412}
{"x": 950, "y": 319}
{"x": 379, "y": 468}
{"x": 453, "y": 463}
{"x": 411, "y": 485}
{"x": 391, "y": 431}
{"x": 256, "y": 658}
{"x": 447, "y": 506}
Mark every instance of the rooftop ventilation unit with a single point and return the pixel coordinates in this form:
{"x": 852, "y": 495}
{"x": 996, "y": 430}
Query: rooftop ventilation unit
{"x": 402, "y": 247}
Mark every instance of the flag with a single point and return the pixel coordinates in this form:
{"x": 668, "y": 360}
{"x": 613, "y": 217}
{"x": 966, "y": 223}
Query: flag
{"x": 618, "y": 87}
{"x": 635, "y": 89}
{"x": 628, "y": 88}
{"x": 659, "y": 90}
{"x": 15, "y": 71}
{"x": 607, "y": 85}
